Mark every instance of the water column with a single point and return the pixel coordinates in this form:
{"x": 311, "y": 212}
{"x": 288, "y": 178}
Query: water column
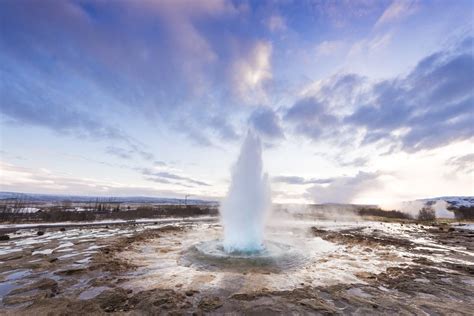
{"x": 244, "y": 209}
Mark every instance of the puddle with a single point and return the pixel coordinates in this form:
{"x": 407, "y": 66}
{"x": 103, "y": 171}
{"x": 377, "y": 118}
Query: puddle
{"x": 92, "y": 292}
{"x": 358, "y": 292}
{"x": 20, "y": 274}
{"x": 6, "y": 287}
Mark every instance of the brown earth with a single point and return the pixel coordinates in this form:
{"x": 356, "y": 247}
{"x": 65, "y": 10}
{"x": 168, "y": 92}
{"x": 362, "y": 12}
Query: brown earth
{"x": 423, "y": 287}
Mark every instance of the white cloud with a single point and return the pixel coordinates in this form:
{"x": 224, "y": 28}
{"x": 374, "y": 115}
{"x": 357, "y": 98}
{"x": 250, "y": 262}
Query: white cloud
{"x": 370, "y": 45}
{"x": 276, "y": 23}
{"x": 20, "y": 179}
{"x": 345, "y": 189}
{"x": 327, "y": 48}
{"x": 399, "y": 9}
{"x": 249, "y": 74}
{"x": 180, "y": 18}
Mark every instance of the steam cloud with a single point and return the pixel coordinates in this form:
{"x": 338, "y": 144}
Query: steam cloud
{"x": 413, "y": 207}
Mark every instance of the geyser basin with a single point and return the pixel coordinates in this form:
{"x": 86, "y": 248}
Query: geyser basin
{"x": 212, "y": 255}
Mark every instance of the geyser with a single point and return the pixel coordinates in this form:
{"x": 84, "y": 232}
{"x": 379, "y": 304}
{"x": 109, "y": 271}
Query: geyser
{"x": 244, "y": 209}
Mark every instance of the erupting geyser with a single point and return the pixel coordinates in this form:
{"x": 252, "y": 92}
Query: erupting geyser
{"x": 243, "y": 216}
{"x": 244, "y": 210}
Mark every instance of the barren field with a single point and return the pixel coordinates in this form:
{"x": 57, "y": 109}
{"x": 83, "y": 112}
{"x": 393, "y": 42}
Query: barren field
{"x": 152, "y": 268}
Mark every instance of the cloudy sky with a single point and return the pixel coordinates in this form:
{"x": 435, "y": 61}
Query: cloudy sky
{"x": 356, "y": 101}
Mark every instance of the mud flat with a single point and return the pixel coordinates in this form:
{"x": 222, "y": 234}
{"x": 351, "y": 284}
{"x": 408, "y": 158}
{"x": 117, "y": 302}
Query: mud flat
{"x": 348, "y": 268}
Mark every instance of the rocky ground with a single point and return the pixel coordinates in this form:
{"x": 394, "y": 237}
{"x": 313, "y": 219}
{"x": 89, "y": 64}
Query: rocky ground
{"x": 422, "y": 269}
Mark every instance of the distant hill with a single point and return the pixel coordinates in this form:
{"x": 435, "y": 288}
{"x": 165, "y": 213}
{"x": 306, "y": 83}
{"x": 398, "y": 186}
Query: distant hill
{"x": 454, "y": 201}
{"x": 35, "y": 197}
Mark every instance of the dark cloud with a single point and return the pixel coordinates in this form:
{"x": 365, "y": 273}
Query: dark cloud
{"x": 41, "y": 181}
{"x": 137, "y": 148}
{"x": 76, "y": 66}
{"x": 344, "y": 86}
{"x": 430, "y": 107}
{"x": 310, "y": 118}
{"x": 356, "y": 162}
{"x": 161, "y": 180}
{"x": 168, "y": 177}
{"x": 133, "y": 150}
{"x": 159, "y": 163}
{"x": 223, "y": 128}
{"x": 434, "y": 103}
{"x": 24, "y": 103}
{"x": 267, "y": 123}
{"x": 388, "y": 110}
{"x": 462, "y": 164}
{"x": 170, "y": 60}
{"x": 300, "y": 180}
{"x": 119, "y": 152}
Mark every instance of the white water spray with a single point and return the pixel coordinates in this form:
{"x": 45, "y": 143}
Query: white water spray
{"x": 245, "y": 208}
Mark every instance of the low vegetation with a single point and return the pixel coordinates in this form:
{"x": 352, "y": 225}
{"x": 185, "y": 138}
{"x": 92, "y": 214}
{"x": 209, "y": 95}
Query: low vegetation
{"x": 373, "y": 211}
{"x": 27, "y": 211}
{"x": 463, "y": 212}
{"x": 427, "y": 213}
{"x": 24, "y": 210}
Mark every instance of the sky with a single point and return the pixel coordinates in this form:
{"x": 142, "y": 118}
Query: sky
{"x": 355, "y": 101}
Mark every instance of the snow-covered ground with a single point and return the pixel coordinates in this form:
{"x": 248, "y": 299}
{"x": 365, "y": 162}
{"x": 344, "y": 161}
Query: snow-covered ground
{"x": 109, "y": 222}
{"x": 456, "y": 201}
{"x": 325, "y": 262}
{"x": 327, "y": 253}
{"x": 464, "y": 226}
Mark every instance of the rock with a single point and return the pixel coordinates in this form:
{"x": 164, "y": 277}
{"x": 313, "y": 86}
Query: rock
{"x": 112, "y": 300}
{"x": 63, "y": 229}
{"x": 71, "y": 271}
{"x": 190, "y": 292}
{"x": 62, "y": 306}
{"x": 153, "y": 302}
{"x": 316, "y": 304}
{"x": 423, "y": 260}
{"x": 365, "y": 275}
{"x": 210, "y": 303}
{"x": 46, "y": 284}
{"x": 21, "y": 299}
{"x": 44, "y": 288}
{"x": 11, "y": 256}
{"x": 40, "y": 233}
{"x": 4, "y": 237}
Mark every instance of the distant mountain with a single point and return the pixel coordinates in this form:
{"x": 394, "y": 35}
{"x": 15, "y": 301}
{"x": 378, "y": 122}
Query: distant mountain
{"x": 35, "y": 197}
{"x": 454, "y": 201}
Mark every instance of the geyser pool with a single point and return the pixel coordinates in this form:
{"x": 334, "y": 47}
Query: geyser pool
{"x": 244, "y": 210}
{"x": 274, "y": 257}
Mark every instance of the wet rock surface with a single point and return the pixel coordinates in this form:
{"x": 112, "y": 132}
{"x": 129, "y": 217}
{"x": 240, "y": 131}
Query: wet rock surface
{"x": 429, "y": 271}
